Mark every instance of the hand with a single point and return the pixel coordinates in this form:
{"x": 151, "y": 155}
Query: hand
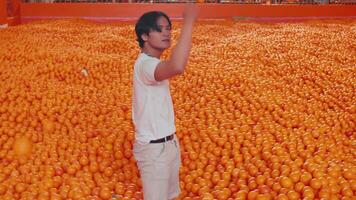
{"x": 191, "y": 12}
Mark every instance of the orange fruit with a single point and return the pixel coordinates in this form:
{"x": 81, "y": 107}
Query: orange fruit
{"x": 277, "y": 126}
{"x": 315, "y": 184}
{"x": 286, "y": 182}
{"x": 22, "y": 147}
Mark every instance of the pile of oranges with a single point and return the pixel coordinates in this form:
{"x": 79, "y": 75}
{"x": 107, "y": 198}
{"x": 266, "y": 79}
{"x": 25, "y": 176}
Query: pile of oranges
{"x": 263, "y": 111}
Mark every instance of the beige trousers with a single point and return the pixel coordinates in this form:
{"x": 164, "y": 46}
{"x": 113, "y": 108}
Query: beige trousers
{"x": 159, "y": 164}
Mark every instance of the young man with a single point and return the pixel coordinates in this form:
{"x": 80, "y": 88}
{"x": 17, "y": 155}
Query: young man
{"x": 156, "y": 148}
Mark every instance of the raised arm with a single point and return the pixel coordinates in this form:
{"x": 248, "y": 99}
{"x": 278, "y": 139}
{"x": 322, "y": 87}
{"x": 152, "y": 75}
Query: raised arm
{"x": 177, "y": 61}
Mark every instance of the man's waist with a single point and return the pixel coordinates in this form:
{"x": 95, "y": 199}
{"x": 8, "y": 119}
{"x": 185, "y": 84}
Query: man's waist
{"x": 163, "y": 139}
{"x": 146, "y": 136}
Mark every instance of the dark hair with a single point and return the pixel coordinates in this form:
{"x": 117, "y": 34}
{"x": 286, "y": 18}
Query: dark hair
{"x": 147, "y": 23}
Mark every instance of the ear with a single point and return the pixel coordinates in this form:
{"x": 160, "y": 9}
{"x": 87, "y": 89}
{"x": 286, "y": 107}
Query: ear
{"x": 144, "y": 37}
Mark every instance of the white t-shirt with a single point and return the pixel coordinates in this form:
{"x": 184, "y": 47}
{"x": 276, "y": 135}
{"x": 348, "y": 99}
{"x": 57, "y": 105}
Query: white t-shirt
{"x": 152, "y": 107}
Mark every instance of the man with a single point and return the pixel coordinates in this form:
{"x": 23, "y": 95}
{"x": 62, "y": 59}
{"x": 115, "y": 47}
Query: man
{"x": 156, "y": 148}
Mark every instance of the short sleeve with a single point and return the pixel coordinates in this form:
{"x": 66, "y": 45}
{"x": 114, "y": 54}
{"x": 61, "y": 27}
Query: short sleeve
{"x": 147, "y": 71}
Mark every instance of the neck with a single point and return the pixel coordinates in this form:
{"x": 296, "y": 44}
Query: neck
{"x": 152, "y": 51}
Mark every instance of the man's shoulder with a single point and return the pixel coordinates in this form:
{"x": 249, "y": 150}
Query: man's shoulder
{"x": 143, "y": 56}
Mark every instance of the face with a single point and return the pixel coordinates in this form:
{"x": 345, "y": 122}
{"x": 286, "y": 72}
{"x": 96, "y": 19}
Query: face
{"x": 159, "y": 40}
